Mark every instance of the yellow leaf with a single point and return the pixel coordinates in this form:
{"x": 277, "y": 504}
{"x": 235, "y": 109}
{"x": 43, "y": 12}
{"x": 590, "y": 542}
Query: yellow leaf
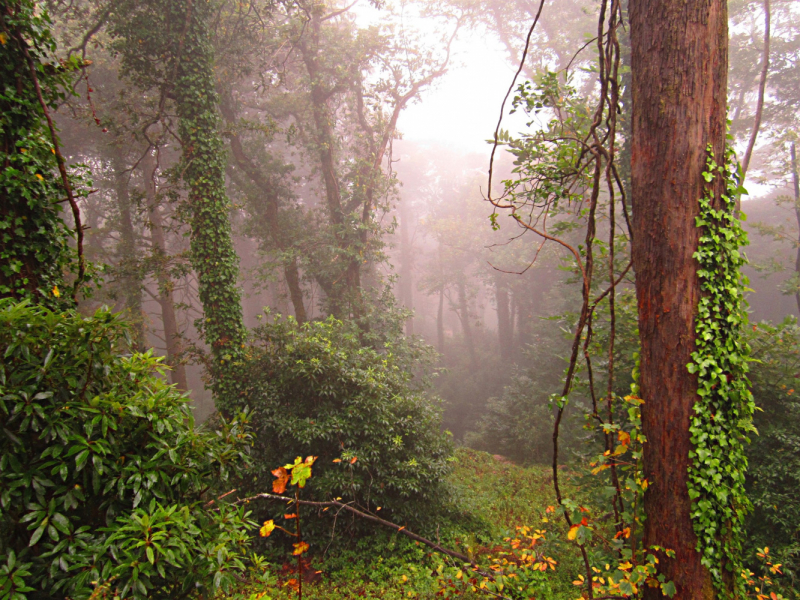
{"x": 299, "y": 548}
{"x": 56, "y": 291}
{"x": 39, "y": 177}
{"x": 267, "y": 528}
{"x": 625, "y": 566}
{"x": 3, "y": 39}
{"x": 573, "y": 532}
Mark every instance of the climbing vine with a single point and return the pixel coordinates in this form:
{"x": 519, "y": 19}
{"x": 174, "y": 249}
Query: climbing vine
{"x": 723, "y": 412}
{"x": 167, "y": 46}
{"x": 213, "y": 255}
{"x": 34, "y": 240}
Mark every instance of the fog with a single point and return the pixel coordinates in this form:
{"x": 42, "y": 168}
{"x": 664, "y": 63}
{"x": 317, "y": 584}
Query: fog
{"x": 493, "y": 303}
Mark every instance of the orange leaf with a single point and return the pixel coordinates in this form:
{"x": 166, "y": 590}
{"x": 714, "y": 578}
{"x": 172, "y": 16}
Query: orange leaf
{"x": 279, "y": 485}
{"x": 337, "y": 460}
{"x": 624, "y": 437}
{"x": 353, "y": 460}
{"x": 291, "y": 516}
{"x": 299, "y": 548}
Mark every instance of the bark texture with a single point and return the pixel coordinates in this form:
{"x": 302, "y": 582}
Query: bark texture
{"x": 679, "y": 67}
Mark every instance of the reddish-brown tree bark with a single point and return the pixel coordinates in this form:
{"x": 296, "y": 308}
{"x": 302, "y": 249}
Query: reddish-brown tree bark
{"x": 679, "y": 66}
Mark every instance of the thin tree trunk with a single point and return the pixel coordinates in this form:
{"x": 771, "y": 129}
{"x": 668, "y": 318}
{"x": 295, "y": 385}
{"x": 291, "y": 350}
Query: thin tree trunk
{"x": 762, "y": 86}
{"x": 505, "y": 333}
{"x": 130, "y": 278}
{"x": 165, "y": 297}
{"x": 679, "y": 65}
{"x": 796, "y": 182}
{"x": 290, "y": 270}
{"x": 440, "y": 322}
{"x": 463, "y": 311}
{"x": 406, "y": 265}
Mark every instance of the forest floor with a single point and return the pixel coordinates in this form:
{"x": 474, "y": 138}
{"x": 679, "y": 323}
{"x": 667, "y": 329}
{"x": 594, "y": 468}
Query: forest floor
{"x": 493, "y": 498}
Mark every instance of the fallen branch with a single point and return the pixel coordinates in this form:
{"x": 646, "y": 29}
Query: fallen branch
{"x": 398, "y": 528}
{"x": 374, "y": 519}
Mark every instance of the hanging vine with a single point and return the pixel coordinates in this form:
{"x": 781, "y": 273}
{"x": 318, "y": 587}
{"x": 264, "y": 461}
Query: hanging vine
{"x": 723, "y": 412}
{"x": 570, "y": 170}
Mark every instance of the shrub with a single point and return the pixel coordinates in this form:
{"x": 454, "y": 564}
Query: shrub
{"x": 103, "y": 477}
{"x": 773, "y": 473}
{"x": 316, "y": 390}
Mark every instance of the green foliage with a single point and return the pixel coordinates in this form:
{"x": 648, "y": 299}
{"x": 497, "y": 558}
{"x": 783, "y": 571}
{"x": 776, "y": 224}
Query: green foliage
{"x": 103, "y": 476}
{"x": 34, "y": 249}
{"x": 773, "y": 472}
{"x": 181, "y": 62}
{"x": 722, "y": 417}
{"x": 315, "y": 390}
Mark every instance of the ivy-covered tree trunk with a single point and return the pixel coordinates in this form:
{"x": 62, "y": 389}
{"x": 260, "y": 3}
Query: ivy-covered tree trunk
{"x": 213, "y": 256}
{"x": 679, "y": 67}
{"x": 34, "y": 250}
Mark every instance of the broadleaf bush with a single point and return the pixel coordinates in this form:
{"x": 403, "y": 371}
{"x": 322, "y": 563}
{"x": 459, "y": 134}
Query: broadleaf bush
{"x": 316, "y": 390}
{"x": 104, "y": 479}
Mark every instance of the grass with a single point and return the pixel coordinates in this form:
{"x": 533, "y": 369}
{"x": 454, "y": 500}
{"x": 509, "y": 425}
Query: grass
{"x": 492, "y": 497}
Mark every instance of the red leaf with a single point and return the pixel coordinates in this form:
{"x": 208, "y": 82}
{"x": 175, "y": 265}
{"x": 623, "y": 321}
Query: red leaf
{"x": 279, "y": 485}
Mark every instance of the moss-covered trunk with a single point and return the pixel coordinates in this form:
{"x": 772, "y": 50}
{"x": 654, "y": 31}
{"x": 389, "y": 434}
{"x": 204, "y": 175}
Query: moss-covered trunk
{"x": 213, "y": 256}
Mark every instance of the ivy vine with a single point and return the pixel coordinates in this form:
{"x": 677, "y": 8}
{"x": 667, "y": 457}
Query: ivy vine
{"x": 723, "y": 412}
{"x": 35, "y": 253}
{"x": 213, "y": 256}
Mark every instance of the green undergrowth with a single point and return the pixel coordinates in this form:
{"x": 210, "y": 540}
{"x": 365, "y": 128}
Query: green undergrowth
{"x": 492, "y": 497}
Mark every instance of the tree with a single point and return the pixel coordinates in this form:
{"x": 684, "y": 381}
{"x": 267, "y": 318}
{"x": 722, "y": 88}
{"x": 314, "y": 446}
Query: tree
{"x": 679, "y": 63}
{"x": 169, "y": 47}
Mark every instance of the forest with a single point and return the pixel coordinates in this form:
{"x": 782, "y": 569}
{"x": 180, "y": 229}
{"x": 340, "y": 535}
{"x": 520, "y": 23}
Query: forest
{"x": 399, "y": 299}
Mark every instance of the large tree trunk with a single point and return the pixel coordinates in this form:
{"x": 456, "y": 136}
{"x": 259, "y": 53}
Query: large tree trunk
{"x": 165, "y": 297}
{"x": 679, "y": 65}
